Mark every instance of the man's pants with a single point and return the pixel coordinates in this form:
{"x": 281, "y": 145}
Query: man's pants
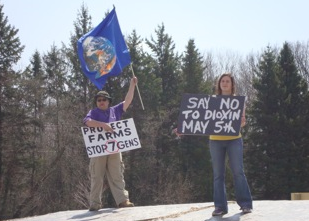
{"x": 111, "y": 166}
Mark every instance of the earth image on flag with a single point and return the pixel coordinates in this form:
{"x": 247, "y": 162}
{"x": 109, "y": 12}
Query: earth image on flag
{"x": 99, "y": 54}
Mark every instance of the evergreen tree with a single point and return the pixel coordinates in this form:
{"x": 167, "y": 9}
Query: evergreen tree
{"x": 275, "y": 135}
{"x": 80, "y": 87}
{"x": 295, "y": 121}
{"x": 193, "y": 69}
{"x": 33, "y": 87}
{"x": 168, "y": 64}
{"x": 11, "y": 115}
{"x": 81, "y": 92}
{"x": 168, "y": 69}
{"x": 264, "y": 124}
{"x": 139, "y": 164}
{"x": 55, "y": 133}
{"x": 193, "y": 150}
{"x": 56, "y": 70}
{"x": 143, "y": 66}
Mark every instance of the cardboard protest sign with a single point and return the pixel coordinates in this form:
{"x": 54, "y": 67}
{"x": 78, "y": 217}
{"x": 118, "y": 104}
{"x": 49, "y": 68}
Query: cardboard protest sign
{"x": 210, "y": 115}
{"x": 123, "y": 138}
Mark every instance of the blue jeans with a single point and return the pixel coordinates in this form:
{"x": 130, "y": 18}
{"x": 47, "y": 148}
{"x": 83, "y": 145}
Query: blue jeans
{"x": 234, "y": 150}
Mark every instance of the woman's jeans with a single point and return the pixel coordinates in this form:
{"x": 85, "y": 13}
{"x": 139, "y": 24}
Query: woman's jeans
{"x": 234, "y": 150}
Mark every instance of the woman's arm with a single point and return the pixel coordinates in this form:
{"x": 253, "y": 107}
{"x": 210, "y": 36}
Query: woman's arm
{"x": 243, "y": 118}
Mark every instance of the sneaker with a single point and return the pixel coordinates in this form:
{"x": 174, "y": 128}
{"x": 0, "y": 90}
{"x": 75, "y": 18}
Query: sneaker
{"x": 94, "y": 208}
{"x": 126, "y": 203}
{"x": 246, "y": 210}
{"x": 219, "y": 212}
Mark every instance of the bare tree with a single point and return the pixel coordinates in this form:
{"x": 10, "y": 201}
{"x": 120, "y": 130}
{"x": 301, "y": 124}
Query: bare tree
{"x": 301, "y": 55}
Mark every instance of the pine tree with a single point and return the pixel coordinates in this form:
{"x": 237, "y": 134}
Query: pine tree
{"x": 264, "y": 124}
{"x": 296, "y": 109}
{"x": 168, "y": 69}
{"x": 192, "y": 150}
{"x": 140, "y": 164}
{"x": 33, "y": 87}
{"x": 33, "y": 81}
{"x": 276, "y": 132}
{"x": 10, "y": 113}
{"x": 143, "y": 66}
{"x": 168, "y": 64}
{"x": 80, "y": 87}
{"x": 193, "y": 69}
{"x": 55, "y": 120}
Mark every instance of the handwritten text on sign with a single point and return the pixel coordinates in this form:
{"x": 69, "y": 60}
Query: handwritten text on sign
{"x": 123, "y": 138}
{"x": 210, "y": 115}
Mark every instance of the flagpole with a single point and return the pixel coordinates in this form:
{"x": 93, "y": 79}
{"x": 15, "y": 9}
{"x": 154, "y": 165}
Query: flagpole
{"x": 140, "y": 98}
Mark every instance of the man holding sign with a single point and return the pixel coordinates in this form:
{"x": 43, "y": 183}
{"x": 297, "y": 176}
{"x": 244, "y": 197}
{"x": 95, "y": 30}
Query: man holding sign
{"x": 109, "y": 165}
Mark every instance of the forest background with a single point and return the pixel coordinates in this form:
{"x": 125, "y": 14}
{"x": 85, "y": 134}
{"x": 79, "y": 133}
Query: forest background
{"x": 43, "y": 161}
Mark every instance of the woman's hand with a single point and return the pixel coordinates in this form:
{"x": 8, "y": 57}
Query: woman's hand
{"x": 176, "y": 132}
{"x": 243, "y": 121}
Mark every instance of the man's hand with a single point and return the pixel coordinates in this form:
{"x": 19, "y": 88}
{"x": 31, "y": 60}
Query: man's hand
{"x": 134, "y": 81}
{"x": 107, "y": 128}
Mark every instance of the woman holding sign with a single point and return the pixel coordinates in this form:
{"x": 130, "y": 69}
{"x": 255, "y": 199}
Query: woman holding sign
{"x": 109, "y": 165}
{"x": 233, "y": 147}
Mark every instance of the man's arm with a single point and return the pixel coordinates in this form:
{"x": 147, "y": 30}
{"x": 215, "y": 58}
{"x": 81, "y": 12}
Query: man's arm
{"x": 95, "y": 123}
{"x": 130, "y": 94}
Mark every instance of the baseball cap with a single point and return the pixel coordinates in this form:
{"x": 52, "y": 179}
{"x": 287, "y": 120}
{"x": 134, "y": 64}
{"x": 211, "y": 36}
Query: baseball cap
{"x": 104, "y": 94}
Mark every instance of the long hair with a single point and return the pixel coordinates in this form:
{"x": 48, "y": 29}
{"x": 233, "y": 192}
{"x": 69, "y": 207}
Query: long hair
{"x": 218, "y": 88}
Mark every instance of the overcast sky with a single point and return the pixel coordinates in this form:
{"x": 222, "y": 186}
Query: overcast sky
{"x": 240, "y": 26}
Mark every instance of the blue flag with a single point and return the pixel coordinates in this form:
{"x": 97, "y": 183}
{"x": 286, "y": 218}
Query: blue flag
{"x": 103, "y": 51}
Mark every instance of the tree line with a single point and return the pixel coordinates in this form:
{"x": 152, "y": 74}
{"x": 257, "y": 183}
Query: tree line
{"x": 43, "y": 161}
